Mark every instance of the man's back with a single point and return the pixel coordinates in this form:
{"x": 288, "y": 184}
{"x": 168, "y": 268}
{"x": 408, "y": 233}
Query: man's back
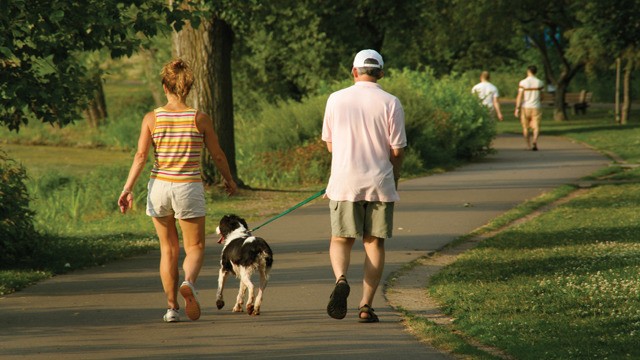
{"x": 532, "y": 92}
{"x": 362, "y": 123}
{"x": 486, "y": 91}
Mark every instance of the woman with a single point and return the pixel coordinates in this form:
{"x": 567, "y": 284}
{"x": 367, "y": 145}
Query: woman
{"x": 175, "y": 191}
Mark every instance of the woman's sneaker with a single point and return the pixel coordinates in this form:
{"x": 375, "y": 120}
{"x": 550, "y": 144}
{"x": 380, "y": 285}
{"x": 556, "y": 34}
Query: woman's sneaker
{"x": 192, "y": 306}
{"x": 172, "y": 315}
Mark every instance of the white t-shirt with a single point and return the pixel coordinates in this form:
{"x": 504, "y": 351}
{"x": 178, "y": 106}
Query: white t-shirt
{"x": 363, "y": 123}
{"x": 486, "y": 91}
{"x": 532, "y": 88}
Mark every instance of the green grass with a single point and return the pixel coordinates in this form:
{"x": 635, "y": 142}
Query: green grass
{"x": 40, "y": 160}
{"x": 561, "y": 286}
{"x": 74, "y": 193}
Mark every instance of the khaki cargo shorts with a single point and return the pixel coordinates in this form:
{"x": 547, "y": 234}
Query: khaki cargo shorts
{"x": 361, "y": 218}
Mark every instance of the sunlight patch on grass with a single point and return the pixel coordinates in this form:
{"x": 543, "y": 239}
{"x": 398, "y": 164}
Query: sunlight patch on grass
{"x": 41, "y": 159}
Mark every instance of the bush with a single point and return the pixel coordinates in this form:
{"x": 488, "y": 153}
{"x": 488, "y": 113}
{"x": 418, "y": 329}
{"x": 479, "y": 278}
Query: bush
{"x": 445, "y": 124}
{"x": 18, "y": 237}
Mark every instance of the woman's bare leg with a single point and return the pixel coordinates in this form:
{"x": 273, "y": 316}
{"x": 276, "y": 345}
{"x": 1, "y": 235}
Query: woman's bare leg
{"x": 169, "y": 254}
{"x": 193, "y": 242}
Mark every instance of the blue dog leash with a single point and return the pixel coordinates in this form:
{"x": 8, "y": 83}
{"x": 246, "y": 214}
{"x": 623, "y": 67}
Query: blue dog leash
{"x": 305, "y": 201}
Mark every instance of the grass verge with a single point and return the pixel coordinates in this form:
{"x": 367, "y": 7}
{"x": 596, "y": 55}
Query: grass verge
{"x": 561, "y": 286}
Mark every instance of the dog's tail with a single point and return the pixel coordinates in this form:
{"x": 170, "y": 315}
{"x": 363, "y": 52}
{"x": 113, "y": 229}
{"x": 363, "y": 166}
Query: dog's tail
{"x": 268, "y": 255}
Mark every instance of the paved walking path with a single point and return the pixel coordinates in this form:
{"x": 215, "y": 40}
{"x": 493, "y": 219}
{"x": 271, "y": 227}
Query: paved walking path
{"x": 115, "y": 311}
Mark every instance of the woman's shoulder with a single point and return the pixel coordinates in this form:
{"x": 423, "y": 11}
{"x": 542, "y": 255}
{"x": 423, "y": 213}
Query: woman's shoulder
{"x": 202, "y": 116}
{"x": 151, "y": 115}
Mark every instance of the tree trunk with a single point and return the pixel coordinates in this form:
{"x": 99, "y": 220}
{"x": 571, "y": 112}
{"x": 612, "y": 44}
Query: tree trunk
{"x": 151, "y": 76}
{"x": 223, "y": 120}
{"x": 617, "y": 95}
{"x": 96, "y": 111}
{"x": 567, "y": 70}
{"x": 208, "y": 50}
{"x": 626, "y": 91}
{"x": 560, "y": 111}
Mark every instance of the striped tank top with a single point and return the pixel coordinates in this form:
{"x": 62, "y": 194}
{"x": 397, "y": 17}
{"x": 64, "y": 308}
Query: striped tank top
{"x": 177, "y": 146}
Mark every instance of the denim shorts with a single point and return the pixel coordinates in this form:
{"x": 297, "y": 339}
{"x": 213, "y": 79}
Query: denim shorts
{"x": 361, "y": 218}
{"x": 182, "y": 200}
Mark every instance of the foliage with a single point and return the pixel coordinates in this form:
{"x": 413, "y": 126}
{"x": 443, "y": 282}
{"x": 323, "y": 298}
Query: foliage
{"x": 127, "y": 104}
{"x": 445, "y": 125}
{"x": 615, "y": 23}
{"x": 273, "y": 63}
{"x": 41, "y": 75}
{"x": 445, "y": 122}
{"x": 459, "y": 36}
{"x": 18, "y": 237}
{"x": 66, "y": 202}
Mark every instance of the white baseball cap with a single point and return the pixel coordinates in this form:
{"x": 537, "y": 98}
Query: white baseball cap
{"x": 368, "y": 58}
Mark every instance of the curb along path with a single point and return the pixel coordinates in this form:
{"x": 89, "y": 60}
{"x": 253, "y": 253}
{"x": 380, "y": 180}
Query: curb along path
{"x": 115, "y": 311}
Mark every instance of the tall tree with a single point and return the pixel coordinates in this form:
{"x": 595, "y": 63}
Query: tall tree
{"x": 546, "y": 23}
{"x": 206, "y": 43}
{"x": 40, "y": 74}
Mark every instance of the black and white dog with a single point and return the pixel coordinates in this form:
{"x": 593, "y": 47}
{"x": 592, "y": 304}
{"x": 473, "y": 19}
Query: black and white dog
{"x": 242, "y": 255}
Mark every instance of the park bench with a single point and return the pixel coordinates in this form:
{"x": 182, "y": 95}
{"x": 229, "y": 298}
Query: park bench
{"x": 579, "y": 101}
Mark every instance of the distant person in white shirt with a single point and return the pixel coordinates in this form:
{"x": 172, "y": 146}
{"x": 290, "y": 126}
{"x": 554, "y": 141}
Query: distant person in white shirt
{"x": 488, "y": 94}
{"x": 365, "y": 133}
{"x": 530, "y": 98}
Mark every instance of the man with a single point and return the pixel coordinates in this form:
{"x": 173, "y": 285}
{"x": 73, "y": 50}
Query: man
{"x": 364, "y": 131}
{"x": 530, "y": 98}
{"x": 488, "y": 94}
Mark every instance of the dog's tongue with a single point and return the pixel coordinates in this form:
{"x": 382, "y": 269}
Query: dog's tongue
{"x": 221, "y": 240}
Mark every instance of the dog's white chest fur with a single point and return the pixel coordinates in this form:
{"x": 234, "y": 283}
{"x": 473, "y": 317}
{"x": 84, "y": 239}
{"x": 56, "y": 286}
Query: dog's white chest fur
{"x": 249, "y": 240}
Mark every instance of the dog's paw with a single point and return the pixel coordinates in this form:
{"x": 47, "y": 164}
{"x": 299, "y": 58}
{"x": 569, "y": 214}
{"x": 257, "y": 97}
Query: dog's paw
{"x": 255, "y": 312}
{"x": 220, "y": 304}
{"x": 237, "y": 308}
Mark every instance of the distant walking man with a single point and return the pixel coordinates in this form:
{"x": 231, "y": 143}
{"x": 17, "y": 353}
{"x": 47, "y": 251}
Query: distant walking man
{"x": 488, "y": 94}
{"x": 364, "y": 131}
{"x": 529, "y": 98}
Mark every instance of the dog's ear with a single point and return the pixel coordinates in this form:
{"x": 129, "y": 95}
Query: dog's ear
{"x": 225, "y": 229}
{"x": 237, "y": 219}
{"x": 244, "y": 223}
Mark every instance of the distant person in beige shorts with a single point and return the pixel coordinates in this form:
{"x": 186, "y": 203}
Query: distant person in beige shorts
{"x": 530, "y": 101}
{"x": 178, "y": 134}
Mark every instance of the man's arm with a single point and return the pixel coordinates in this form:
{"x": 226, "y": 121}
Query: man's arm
{"x": 496, "y": 105}
{"x": 396, "y": 157}
{"x": 518, "y": 101}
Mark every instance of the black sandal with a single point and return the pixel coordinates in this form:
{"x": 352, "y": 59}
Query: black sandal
{"x": 371, "y": 316}
{"x": 337, "y": 307}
